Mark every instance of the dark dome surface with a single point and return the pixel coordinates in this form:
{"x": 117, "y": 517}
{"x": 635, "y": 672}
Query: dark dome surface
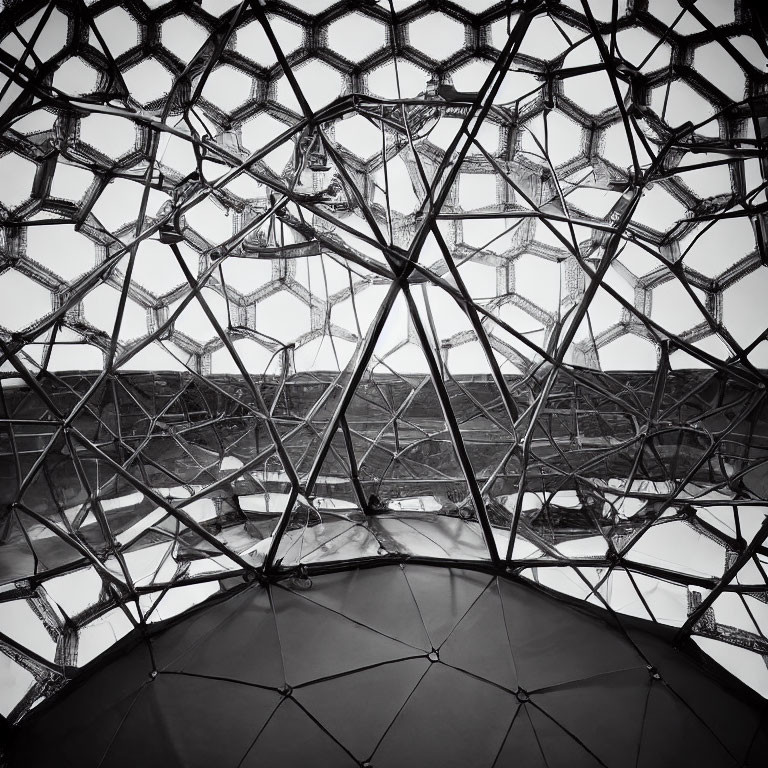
{"x": 410, "y": 665}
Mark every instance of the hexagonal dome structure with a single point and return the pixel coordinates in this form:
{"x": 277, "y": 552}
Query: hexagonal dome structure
{"x": 390, "y": 372}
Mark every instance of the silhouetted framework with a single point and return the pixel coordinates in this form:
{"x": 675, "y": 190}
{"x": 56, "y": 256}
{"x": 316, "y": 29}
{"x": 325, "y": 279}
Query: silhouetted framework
{"x": 291, "y": 286}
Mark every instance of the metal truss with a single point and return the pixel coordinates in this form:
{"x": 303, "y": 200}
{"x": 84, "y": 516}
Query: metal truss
{"x": 293, "y": 285}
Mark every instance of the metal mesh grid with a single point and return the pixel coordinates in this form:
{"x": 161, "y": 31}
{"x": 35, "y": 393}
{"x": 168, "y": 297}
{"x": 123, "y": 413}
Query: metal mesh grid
{"x": 420, "y": 280}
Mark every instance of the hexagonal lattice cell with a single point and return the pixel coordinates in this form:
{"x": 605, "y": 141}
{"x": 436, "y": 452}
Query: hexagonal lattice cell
{"x": 177, "y": 154}
{"x": 247, "y": 275}
{"x": 716, "y": 246}
{"x": 448, "y": 318}
{"x": 358, "y": 135}
{"x": 75, "y": 77}
{"x": 254, "y": 44}
{"x": 477, "y": 190}
{"x": 19, "y": 174}
{"x": 437, "y": 35}
{"x": 318, "y": 82}
{"x": 228, "y": 88}
{"x": 156, "y": 268}
{"x": 148, "y": 80}
{"x": 183, "y": 37}
{"x": 480, "y": 279}
{"x": 538, "y": 280}
{"x": 211, "y": 220}
{"x": 592, "y": 92}
{"x": 396, "y": 184}
{"x": 678, "y": 103}
{"x": 47, "y": 32}
{"x": 502, "y": 311}
{"x": 605, "y": 310}
{"x": 643, "y": 49}
{"x": 100, "y": 308}
{"x": 32, "y": 301}
{"x": 547, "y": 39}
{"x": 356, "y": 312}
{"x": 66, "y": 252}
{"x": 708, "y": 175}
{"x": 675, "y": 309}
{"x": 404, "y": 81}
{"x": 195, "y": 323}
{"x": 639, "y": 261}
{"x": 108, "y": 134}
{"x": 498, "y": 32}
{"x": 71, "y": 182}
{"x": 552, "y": 136}
{"x": 119, "y": 201}
{"x": 321, "y": 278}
{"x": 658, "y": 209}
{"x": 685, "y": 23}
{"x": 36, "y": 120}
{"x": 620, "y": 146}
{"x": 355, "y": 37}
{"x": 118, "y": 30}
{"x": 261, "y": 130}
{"x": 283, "y": 316}
{"x": 522, "y": 321}
{"x": 324, "y": 353}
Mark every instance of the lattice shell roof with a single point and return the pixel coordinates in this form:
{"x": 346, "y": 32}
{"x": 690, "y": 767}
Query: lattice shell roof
{"x": 465, "y": 280}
